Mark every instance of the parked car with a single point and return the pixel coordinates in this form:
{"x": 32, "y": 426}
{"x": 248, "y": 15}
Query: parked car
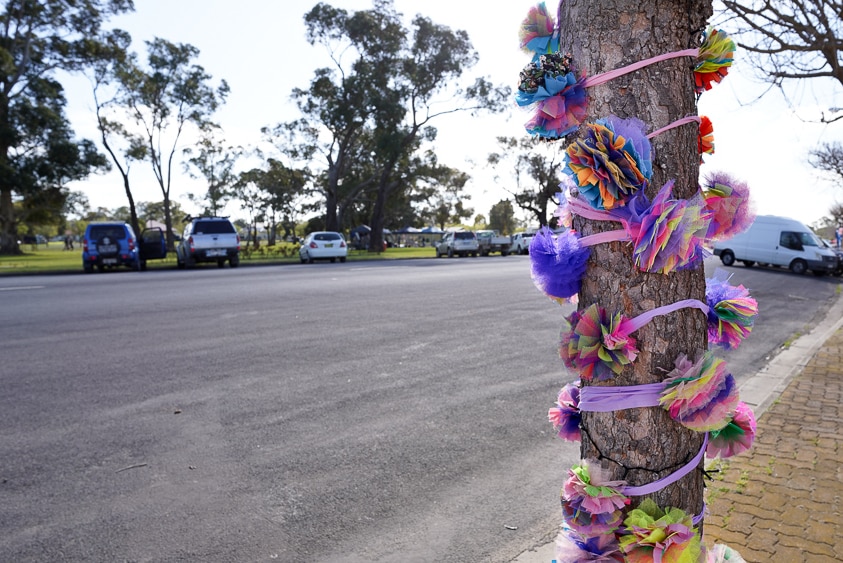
{"x": 208, "y": 239}
{"x": 323, "y": 245}
{"x": 109, "y": 245}
{"x": 778, "y": 241}
{"x": 492, "y": 241}
{"x": 153, "y": 245}
{"x": 461, "y": 243}
{"x": 521, "y": 243}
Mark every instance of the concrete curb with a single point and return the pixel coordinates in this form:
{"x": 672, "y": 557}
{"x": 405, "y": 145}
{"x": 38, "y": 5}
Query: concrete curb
{"x": 759, "y": 391}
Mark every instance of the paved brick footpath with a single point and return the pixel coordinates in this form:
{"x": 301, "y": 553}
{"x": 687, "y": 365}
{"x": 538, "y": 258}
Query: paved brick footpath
{"x": 782, "y": 501}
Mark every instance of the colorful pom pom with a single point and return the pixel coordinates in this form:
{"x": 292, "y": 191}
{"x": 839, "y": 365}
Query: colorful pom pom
{"x": 611, "y": 162}
{"x": 734, "y": 438}
{"x": 666, "y": 536}
{"x": 732, "y": 210}
{"x": 701, "y": 396}
{"x": 588, "y": 524}
{"x": 572, "y": 547}
{"x": 731, "y": 312}
{"x": 715, "y": 57}
{"x": 705, "y": 138}
{"x": 565, "y": 416}
{"x": 560, "y": 107}
{"x": 557, "y": 262}
{"x": 596, "y": 345}
{"x": 536, "y": 32}
{"x": 588, "y": 489}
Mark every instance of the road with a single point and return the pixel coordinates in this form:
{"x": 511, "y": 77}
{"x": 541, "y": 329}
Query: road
{"x": 381, "y": 411}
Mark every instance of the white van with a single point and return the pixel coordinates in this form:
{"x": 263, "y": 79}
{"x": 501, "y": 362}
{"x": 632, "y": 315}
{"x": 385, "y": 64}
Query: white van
{"x": 778, "y": 241}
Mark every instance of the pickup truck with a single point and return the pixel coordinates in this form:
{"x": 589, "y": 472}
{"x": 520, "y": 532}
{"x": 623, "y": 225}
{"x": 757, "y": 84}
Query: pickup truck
{"x": 491, "y": 241}
{"x": 209, "y": 239}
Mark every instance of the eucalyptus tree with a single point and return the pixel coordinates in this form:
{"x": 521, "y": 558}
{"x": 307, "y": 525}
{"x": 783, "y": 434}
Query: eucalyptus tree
{"x": 38, "y": 150}
{"x": 209, "y": 160}
{"x": 161, "y": 100}
{"x": 534, "y": 166}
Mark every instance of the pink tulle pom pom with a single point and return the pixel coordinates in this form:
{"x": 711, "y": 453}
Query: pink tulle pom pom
{"x": 536, "y": 29}
{"x": 596, "y": 345}
{"x": 736, "y": 437}
{"x": 701, "y": 396}
{"x": 732, "y": 210}
{"x": 565, "y": 416}
{"x": 587, "y": 488}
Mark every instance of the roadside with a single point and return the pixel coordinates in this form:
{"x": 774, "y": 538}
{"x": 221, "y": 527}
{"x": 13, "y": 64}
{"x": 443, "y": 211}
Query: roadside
{"x": 742, "y": 510}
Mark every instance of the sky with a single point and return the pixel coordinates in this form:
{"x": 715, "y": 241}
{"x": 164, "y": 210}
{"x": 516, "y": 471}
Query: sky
{"x": 259, "y": 48}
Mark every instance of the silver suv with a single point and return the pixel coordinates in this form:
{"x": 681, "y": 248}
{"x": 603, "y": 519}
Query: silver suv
{"x": 521, "y": 243}
{"x": 461, "y": 243}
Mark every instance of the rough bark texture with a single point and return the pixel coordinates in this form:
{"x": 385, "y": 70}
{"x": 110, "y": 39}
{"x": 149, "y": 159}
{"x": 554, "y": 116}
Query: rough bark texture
{"x": 642, "y": 445}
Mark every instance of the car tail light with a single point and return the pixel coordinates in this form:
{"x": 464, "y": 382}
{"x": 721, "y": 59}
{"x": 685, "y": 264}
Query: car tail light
{"x": 85, "y": 244}
{"x": 131, "y": 244}
{"x": 190, "y": 244}
{"x": 238, "y": 243}
{"x": 313, "y": 245}
{"x": 342, "y": 244}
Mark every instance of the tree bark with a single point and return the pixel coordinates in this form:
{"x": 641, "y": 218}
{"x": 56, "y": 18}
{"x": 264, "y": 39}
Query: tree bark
{"x": 642, "y": 445}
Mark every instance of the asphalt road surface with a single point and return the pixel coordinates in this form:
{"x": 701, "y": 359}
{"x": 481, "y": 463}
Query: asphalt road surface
{"x": 382, "y": 411}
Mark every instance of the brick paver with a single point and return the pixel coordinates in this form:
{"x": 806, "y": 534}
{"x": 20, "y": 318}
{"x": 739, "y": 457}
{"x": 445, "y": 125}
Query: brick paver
{"x": 782, "y": 501}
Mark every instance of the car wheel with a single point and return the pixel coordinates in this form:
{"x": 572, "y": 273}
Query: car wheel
{"x": 333, "y": 260}
{"x": 189, "y": 262}
{"x": 220, "y": 263}
{"x": 798, "y": 267}
{"x": 234, "y": 261}
{"x": 727, "y": 257}
{"x": 450, "y": 253}
{"x": 342, "y": 258}
{"x": 89, "y": 268}
{"x": 749, "y": 263}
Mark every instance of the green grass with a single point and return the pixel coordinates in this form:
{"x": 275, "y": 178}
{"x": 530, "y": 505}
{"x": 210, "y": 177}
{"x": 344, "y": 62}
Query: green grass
{"x": 54, "y": 259}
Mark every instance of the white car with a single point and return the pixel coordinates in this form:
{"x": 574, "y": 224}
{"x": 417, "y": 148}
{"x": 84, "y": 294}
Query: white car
{"x": 460, "y": 243}
{"x": 323, "y": 245}
{"x": 521, "y": 243}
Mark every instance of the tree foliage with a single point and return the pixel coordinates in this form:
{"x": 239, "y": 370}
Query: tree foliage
{"x": 790, "y": 39}
{"x": 535, "y": 167}
{"x": 38, "y": 152}
{"x": 828, "y": 158}
{"x": 214, "y": 163}
{"x": 502, "y": 217}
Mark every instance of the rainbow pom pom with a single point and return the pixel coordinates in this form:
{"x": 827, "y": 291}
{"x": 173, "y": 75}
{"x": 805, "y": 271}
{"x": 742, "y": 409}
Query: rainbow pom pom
{"x": 732, "y": 210}
{"x": 588, "y": 489}
{"x": 596, "y": 345}
{"x": 731, "y": 312}
{"x": 735, "y": 437}
{"x": 572, "y": 547}
{"x": 701, "y": 396}
{"x": 557, "y": 262}
{"x": 654, "y": 534}
{"x": 565, "y": 416}
{"x": 715, "y": 57}
{"x": 536, "y": 31}
{"x": 611, "y": 162}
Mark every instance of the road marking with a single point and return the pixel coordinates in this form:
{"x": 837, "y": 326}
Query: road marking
{"x": 23, "y": 287}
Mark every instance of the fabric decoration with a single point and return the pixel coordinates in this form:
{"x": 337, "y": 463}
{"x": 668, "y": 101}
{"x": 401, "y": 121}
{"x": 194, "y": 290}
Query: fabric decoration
{"x": 611, "y": 162}
{"x": 565, "y": 416}
{"x": 736, "y": 437}
{"x": 667, "y": 233}
{"x": 588, "y": 489}
{"x": 732, "y": 210}
{"x": 557, "y": 262}
{"x": 705, "y": 139}
{"x": 660, "y": 536}
{"x": 596, "y": 345}
{"x": 714, "y": 59}
{"x": 572, "y": 547}
{"x": 731, "y": 312}
{"x": 700, "y": 395}
{"x": 608, "y": 399}
{"x": 536, "y": 32}
{"x": 588, "y": 524}
{"x": 722, "y": 553}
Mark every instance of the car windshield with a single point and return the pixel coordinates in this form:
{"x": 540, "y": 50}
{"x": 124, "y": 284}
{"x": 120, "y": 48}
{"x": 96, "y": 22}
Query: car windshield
{"x": 213, "y": 228}
{"x": 327, "y": 236}
{"x": 808, "y": 239}
{"x": 464, "y": 235}
{"x": 110, "y": 231}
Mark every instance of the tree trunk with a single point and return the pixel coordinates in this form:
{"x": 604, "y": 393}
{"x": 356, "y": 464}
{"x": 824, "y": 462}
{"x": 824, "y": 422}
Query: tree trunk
{"x": 644, "y": 444}
{"x": 8, "y": 226}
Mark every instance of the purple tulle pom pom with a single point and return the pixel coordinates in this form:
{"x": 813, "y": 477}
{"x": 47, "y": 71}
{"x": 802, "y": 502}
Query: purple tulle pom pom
{"x": 565, "y": 416}
{"x": 558, "y": 262}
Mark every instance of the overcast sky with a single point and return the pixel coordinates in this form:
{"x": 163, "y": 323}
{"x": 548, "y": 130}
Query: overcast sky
{"x": 259, "y": 48}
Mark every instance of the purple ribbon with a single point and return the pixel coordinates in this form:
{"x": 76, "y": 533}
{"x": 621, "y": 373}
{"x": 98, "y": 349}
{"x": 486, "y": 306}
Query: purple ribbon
{"x": 670, "y": 479}
{"x": 607, "y": 399}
